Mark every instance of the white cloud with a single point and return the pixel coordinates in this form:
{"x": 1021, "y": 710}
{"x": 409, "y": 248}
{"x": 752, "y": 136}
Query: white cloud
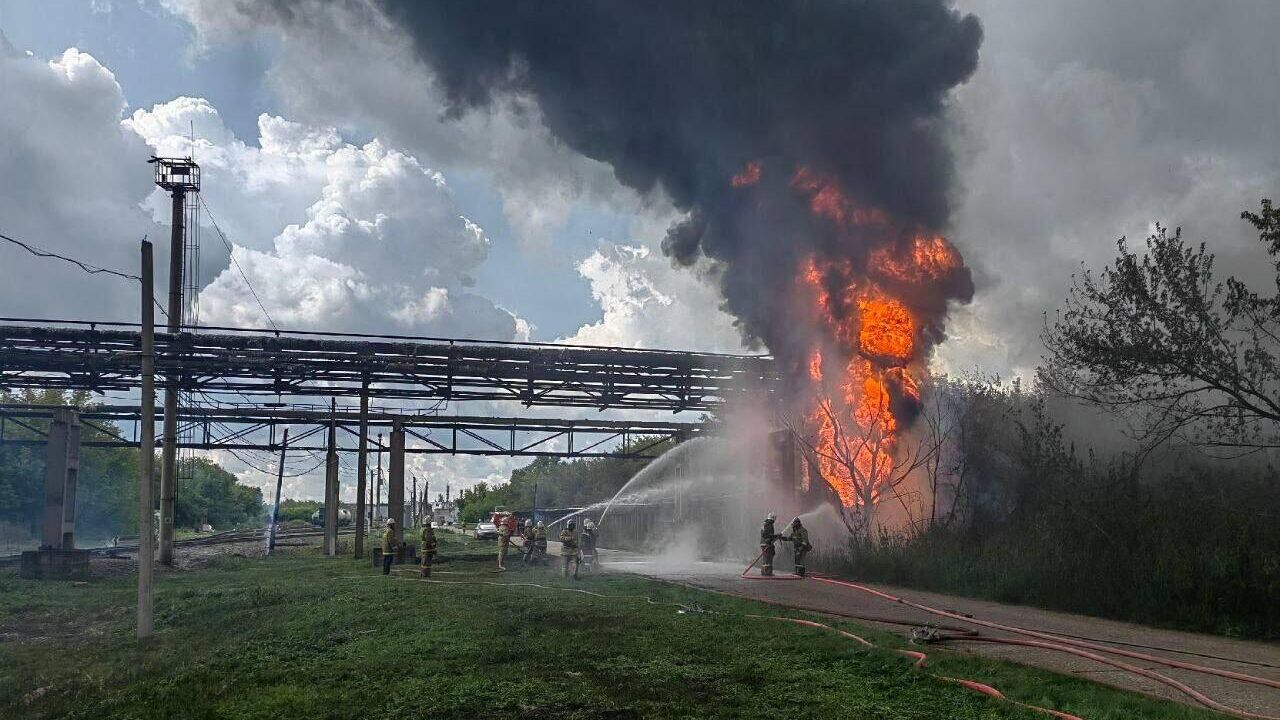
{"x": 330, "y": 235}
{"x": 74, "y": 180}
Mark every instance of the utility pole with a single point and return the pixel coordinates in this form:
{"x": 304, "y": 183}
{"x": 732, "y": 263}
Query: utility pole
{"x": 179, "y": 176}
{"x": 275, "y": 513}
{"x": 413, "y": 502}
{"x": 362, "y": 469}
{"x": 534, "y": 513}
{"x": 146, "y": 460}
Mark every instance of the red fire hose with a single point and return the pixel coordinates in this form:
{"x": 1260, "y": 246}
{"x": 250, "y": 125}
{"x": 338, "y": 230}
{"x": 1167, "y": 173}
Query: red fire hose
{"x": 1083, "y": 648}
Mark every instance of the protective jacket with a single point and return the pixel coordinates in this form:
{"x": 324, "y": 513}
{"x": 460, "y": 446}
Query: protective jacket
{"x": 429, "y": 543}
{"x": 589, "y": 541}
{"x": 799, "y": 539}
{"x": 767, "y": 536}
{"x": 388, "y": 541}
{"x": 568, "y": 542}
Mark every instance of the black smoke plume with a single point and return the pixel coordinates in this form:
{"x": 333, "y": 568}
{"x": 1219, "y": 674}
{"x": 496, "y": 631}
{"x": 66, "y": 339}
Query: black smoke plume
{"x": 683, "y": 94}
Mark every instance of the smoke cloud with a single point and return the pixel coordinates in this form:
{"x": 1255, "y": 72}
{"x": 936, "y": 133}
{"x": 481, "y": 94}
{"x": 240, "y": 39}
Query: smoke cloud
{"x": 719, "y": 105}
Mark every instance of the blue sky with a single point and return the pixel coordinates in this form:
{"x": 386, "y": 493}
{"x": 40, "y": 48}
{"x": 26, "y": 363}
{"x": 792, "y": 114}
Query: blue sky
{"x": 152, "y": 53}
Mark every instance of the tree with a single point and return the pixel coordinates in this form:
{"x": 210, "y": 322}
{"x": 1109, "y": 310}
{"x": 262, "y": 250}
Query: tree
{"x": 1190, "y": 357}
{"x": 873, "y": 458}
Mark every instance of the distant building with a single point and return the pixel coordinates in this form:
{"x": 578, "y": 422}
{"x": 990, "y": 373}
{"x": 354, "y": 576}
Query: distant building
{"x": 444, "y": 512}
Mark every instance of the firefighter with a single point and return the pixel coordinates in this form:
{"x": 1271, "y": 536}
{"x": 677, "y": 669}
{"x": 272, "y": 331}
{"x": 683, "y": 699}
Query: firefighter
{"x": 588, "y": 542}
{"x": 504, "y": 540}
{"x": 540, "y": 544}
{"x": 799, "y": 539}
{"x": 429, "y": 546}
{"x": 767, "y": 539}
{"x": 527, "y": 536}
{"x": 569, "y": 548}
{"x": 388, "y": 546}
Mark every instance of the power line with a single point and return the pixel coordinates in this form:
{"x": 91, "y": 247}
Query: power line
{"x": 91, "y": 269}
{"x": 232, "y": 255}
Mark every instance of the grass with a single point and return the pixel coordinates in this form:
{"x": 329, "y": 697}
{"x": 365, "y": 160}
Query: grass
{"x": 301, "y": 635}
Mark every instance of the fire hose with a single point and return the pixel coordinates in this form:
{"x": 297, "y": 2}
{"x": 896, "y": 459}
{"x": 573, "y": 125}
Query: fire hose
{"x": 746, "y": 570}
{"x": 1085, "y": 649}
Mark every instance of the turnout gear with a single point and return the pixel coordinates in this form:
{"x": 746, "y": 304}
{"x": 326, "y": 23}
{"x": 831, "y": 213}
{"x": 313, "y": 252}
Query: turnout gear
{"x": 569, "y": 550}
{"x": 504, "y": 540}
{"x": 429, "y": 545}
{"x": 540, "y": 544}
{"x": 527, "y": 538}
{"x": 388, "y": 547}
{"x": 768, "y": 537}
{"x": 588, "y": 544}
{"x": 799, "y": 539}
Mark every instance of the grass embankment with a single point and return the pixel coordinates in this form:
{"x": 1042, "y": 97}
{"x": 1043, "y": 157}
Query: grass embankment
{"x": 301, "y": 635}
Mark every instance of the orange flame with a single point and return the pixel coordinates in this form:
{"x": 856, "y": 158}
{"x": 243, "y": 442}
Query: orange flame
{"x": 749, "y": 175}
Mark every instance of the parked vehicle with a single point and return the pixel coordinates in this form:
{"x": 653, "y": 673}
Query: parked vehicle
{"x": 485, "y": 531}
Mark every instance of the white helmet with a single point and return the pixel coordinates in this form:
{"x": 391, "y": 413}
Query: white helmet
{"x": 771, "y": 517}
{"x": 588, "y": 524}
{"x": 540, "y": 524}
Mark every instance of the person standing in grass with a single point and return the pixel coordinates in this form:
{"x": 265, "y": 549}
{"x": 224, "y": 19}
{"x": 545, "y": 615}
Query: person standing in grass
{"x": 527, "y": 535}
{"x": 429, "y": 546}
{"x": 388, "y": 546}
{"x": 539, "y": 544}
{"x": 504, "y": 541}
{"x": 569, "y": 548}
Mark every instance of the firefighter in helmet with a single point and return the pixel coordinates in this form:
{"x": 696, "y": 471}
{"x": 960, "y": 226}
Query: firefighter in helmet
{"x": 539, "y": 543}
{"x": 389, "y": 546}
{"x": 569, "y": 548}
{"x": 527, "y": 536}
{"x": 504, "y": 540}
{"x": 767, "y": 539}
{"x": 588, "y": 543}
{"x": 799, "y": 539}
{"x": 429, "y": 545}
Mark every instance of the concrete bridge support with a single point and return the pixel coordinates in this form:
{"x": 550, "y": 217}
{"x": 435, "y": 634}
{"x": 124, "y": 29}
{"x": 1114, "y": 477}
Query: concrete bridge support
{"x": 331, "y": 494}
{"x": 395, "y": 488}
{"x": 57, "y": 556}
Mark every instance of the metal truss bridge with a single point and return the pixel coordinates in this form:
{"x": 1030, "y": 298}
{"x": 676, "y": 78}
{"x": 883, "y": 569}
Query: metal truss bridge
{"x": 257, "y": 429}
{"x": 104, "y": 357}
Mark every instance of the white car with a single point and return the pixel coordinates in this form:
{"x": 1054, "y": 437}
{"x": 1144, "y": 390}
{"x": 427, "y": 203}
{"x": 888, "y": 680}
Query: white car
{"x": 485, "y": 531}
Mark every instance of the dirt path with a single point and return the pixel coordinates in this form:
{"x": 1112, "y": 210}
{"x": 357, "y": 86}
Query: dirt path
{"x": 1257, "y": 659}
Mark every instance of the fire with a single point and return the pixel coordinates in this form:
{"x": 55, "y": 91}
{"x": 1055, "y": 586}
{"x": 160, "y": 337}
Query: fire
{"x": 826, "y": 199}
{"x": 749, "y": 175}
{"x": 856, "y": 428}
{"x": 928, "y": 258}
{"x": 863, "y": 366}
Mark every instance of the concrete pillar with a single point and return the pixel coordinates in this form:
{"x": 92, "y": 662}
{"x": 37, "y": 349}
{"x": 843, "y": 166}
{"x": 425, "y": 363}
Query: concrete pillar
{"x": 62, "y": 468}
{"x": 331, "y": 494}
{"x": 362, "y": 470}
{"x": 395, "y": 488}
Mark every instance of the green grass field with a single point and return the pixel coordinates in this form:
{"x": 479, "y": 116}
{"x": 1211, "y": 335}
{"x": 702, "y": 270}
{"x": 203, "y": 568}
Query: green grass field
{"x": 303, "y": 636}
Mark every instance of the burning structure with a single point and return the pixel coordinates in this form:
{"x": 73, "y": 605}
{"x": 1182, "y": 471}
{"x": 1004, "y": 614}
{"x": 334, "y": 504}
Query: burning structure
{"x": 803, "y": 143}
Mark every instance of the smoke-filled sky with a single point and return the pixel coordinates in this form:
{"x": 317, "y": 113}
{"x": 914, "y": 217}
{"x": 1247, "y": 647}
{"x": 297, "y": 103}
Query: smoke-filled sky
{"x": 378, "y": 166}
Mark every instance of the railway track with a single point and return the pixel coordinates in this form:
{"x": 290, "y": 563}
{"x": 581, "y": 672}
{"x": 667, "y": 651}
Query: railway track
{"x": 222, "y": 538}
